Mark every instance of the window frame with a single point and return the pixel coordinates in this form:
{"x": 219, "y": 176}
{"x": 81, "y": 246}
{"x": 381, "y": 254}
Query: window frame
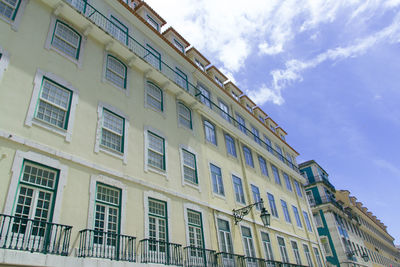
{"x": 248, "y": 156}
{"x": 275, "y": 172}
{"x": 16, "y": 17}
{"x": 219, "y": 184}
{"x": 206, "y": 100}
{"x": 287, "y": 181}
{"x": 285, "y": 210}
{"x": 106, "y": 69}
{"x": 152, "y": 22}
{"x": 148, "y": 166}
{"x": 187, "y": 209}
{"x": 116, "y": 22}
{"x": 283, "y": 249}
{"x": 263, "y": 163}
{"x": 267, "y": 246}
{"x": 272, "y": 205}
{"x": 296, "y": 252}
{"x": 256, "y": 134}
{"x": 178, "y": 45}
{"x": 224, "y": 233}
{"x": 190, "y": 119}
{"x": 206, "y": 135}
{"x": 113, "y": 132}
{"x": 307, "y": 220}
{"x": 324, "y": 238}
{"x": 297, "y": 216}
{"x": 232, "y": 152}
{"x": 154, "y": 53}
{"x": 256, "y": 196}
{"x": 148, "y": 94}
{"x": 183, "y": 150}
{"x": 180, "y": 75}
{"x": 238, "y": 190}
{"x": 298, "y": 188}
{"x": 224, "y": 113}
{"x": 241, "y": 123}
{"x": 248, "y": 242}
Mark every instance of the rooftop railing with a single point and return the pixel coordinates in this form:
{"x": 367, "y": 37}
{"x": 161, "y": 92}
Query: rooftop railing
{"x": 160, "y": 252}
{"x": 148, "y": 54}
{"x": 24, "y": 234}
{"x": 199, "y": 257}
{"x": 106, "y": 245}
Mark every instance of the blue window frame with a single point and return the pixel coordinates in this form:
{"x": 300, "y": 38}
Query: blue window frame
{"x": 297, "y": 216}
{"x": 287, "y": 181}
{"x": 217, "y": 182}
{"x": 268, "y": 143}
{"x": 153, "y": 57}
{"x": 242, "y": 123}
{"x": 286, "y": 211}
{"x": 238, "y": 187}
{"x": 205, "y": 96}
{"x": 307, "y": 219}
{"x": 256, "y": 135}
{"x": 271, "y": 200}
{"x": 298, "y": 188}
{"x": 248, "y": 156}
{"x": 263, "y": 165}
{"x": 209, "y": 130}
{"x": 230, "y": 145}
{"x": 276, "y": 174}
{"x": 256, "y": 196}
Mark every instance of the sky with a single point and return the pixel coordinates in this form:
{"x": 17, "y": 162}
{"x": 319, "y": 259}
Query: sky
{"x": 327, "y": 71}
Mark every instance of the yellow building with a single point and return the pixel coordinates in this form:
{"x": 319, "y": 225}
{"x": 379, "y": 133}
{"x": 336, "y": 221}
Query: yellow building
{"x": 118, "y": 141}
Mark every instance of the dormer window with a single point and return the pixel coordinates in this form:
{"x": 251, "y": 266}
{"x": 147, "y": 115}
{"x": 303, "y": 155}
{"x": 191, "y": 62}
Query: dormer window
{"x": 249, "y": 108}
{"x": 282, "y": 137}
{"x": 261, "y": 118}
{"x": 272, "y": 128}
{"x": 235, "y": 96}
{"x": 199, "y": 64}
{"x": 218, "y": 81}
{"x": 178, "y": 45}
{"x": 153, "y": 23}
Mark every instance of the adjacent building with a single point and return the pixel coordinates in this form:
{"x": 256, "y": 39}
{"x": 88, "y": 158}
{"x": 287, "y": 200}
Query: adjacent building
{"x": 349, "y": 233}
{"x": 120, "y": 144}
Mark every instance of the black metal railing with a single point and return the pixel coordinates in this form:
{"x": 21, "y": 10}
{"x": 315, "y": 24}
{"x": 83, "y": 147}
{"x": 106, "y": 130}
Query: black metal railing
{"x": 199, "y": 257}
{"x": 161, "y": 252}
{"x": 20, "y": 233}
{"x": 324, "y": 200}
{"x": 324, "y": 179}
{"x": 257, "y": 262}
{"x": 107, "y": 245}
{"x": 172, "y": 74}
{"x": 230, "y": 260}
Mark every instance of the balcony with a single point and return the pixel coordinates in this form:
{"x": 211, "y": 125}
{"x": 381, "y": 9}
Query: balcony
{"x": 160, "y": 252}
{"x": 257, "y": 262}
{"x": 24, "y": 234}
{"x": 324, "y": 179}
{"x": 199, "y": 257}
{"x": 230, "y": 260}
{"x": 325, "y": 200}
{"x": 92, "y": 14}
{"x": 106, "y": 245}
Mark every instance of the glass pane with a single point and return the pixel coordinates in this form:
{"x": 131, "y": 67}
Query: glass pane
{"x": 39, "y": 175}
{"x": 66, "y": 40}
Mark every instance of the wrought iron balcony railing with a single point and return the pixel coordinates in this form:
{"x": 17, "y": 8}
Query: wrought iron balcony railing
{"x": 225, "y": 259}
{"x": 161, "y": 252}
{"x": 19, "y": 233}
{"x": 147, "y": 54}
{"x": 199, "y": 257}
{"x": 257, "y": 262}
{"x": 324, "y": 200}
{"x": 107, "y": 245}
{"x": 324, "y": 179}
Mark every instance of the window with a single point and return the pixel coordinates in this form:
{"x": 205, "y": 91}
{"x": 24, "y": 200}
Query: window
{"x": 298, "y": 188}
{"x": 153, "y": 57}
{"x": 256, "y": 135}
{"x": 218, "y": 81}
{"x": 296, "y": 252}
{"x": 248, "y": 156}
{"x": 279, "y": 150}
{"x": 263, "y": 166}
{"x": 224, "y": 110}
{"x": 195, "y": 229}
{"x": 272, "y": 128}
{"x": 261, "y": 118}
{"x": 112, "y": 131}
{"x": 285, "y": 211}
{"x": 66, "y": 40}
{"x": 54, "y": 104}
{"x": 154, "y": 96}
{"x": 318, "y": 257}
{"x": 9, "y": 8}
{"x": 116, "y": 72}
{"x": 225, "y": 239}
{"x": 297, "y": 216}
{"x": 241, "y": 123}
{"x": 107, "y": 215}
{"x": 189, "y": 167}
{"x": 282, "y": 137}
{"x": 282, "y": 248}
{"x": 308, "y": 255}
{"x": 117, "y": 29}
{"x": 317, "y": 219}
{"x": 272, "y": 205}
{"x": 310, "y": 197}
{"x": 178, "y": 45}
{"x": 184, "y": 116}
{"x": 152, "y": 23}
{"x": 268, "y": 143}
{"x": 248, "y": 242}
{"x": 287, "y": 181}
{"x": 199, "y": 64}
{"x": 204, "y": 95}
{"x": 158, "y": 222}
{"x": 325, "y": 245}
{"x": 36, "y": 193}
{"x": 216, "y": 177}
{"x": 289, "y": 158}
{"x": 238, "y": 187}
{"x": 155, "y": 151}
{"x": 250, "y": 109}
{"x": 276, "y": 175}
{"x": 267, "y": 246}
{"x": 181, "y": 78}
{"x": 209, "y": 130}
{"x": 308, "y": 224}
{"x": 256, "y": 196}
{"x": 230, "y": 145}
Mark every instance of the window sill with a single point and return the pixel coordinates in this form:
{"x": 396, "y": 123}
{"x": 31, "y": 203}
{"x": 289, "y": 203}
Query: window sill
{"x": 113, "y": 153}
{"x": 76, "y": 61}
{"x": 216, "y": 195}
{"x": 123, "y": 90}
{"x": 155, "y": 170}
{"x": 192, "y": 185}
{"x": 52, "y": 128}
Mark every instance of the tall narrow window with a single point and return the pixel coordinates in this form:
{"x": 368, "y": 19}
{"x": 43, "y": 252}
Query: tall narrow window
{"x": 279, "y": 150}
{"x": 225, "y": 239}
{"x": 178, "y": 45}
{"x": 152, "y": 22}
{"x": 238, "y": 187}
{"x": 209, "y": 130}
{"x": 113, "y": 131}
{"x": 54, "y": 104}
{"x": 204, "y": 95}
{"x": 153, "y": 57}
{"x": 287, "y": 181}
{"x": 272, "y": 205}
{"x": 154, "y": 96}
{"x": 267, "y": 246}
{"x": 308, "y": 255}
{"x": 256, "y": 135}
{"x": 107, "y": 215}
{"x": 116, "y": 72}
{"x": 248, "y": 242}
{"x": 298, "y": 188}
{"x": 326, "y": 246}
{"x": 230, "y": 145}
{"x": 66, "y": 40}
{"x": 241, "y": 123}
{"x": 224, "y": 110}
{"x": 117, "y": 29}
{"x": 189, "y": 167}
{"x": 9, "y": 8}
{"x": 318, "y": 257}
{"x": 307, "y": 219}
{"x": 276, "y": 175}
{"x": 263, "y": 165}
{"x": 181, "y": 78}
{"x": 282, "y": 248}
{"x": 256, "y": 196}
{"x": 218, "y": 81}
{"x": 268, "y": 143}
{"x": 286, "y": 211}
{"x": 296, "y": 252}
{"x": 158, "y": 225}
{"x": 156, "y": 151}
{"x": 195, "y": 228}
{"x": 185, "y": 116}
{"x": 248, "y": 156}
{"x": 216, "y": 177}
{"x": 297, "y": 216}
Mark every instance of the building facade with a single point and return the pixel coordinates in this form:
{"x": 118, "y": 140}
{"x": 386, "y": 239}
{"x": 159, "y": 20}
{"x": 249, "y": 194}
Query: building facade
{"x": 350, "y": 234}
{"x": 121, "y": 145}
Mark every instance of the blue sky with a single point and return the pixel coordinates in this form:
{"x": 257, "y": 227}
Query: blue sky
{"x": 327, "y": 71}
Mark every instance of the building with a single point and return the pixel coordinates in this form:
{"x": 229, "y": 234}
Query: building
{"x": 349, "y": 233}
{"x": 120, "y": 141}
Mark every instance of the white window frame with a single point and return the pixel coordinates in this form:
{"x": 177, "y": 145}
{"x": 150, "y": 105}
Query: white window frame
{"x": 178, "y": 103}
{"x": 17, "y": 164}
{"x": 317, "y": 219}
{"x": 184, "y": 181}
{"x": 227, "y": 219}
{"x": 156, "y": 196}
{"x": 162, "y": 111}
{"x": 37, "y": 86}
{"x": 327, "y": 253}
{"x": 205, "y": 132}
{"x": 247, "y": 240}
{"x": 222, "y": 180}
{"x": 49, "y": 39}
{"x": 190, "y": 206}
{"x": 4, "y": 60}
{"x": 127, "y": 76}
{"x": 319, "y": 260}
{"x": 271, "y": 250}
{"x": 298, "y": 251}
{"x": 17, "y": 19}
{"x": 97, "y": 147}
{"x": 147, "y": 167}
{"x": 280, "y": 250}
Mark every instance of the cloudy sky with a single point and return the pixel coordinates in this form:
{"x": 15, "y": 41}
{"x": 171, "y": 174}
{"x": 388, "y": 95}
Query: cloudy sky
{"x": 327, "y": 71}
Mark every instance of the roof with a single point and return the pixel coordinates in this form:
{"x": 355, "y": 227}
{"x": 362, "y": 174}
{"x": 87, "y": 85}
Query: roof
{"x": 218, "y": 71}
{"x": 251, "y": 101}
{"x": 280, "y": 128}
{"x": 198, "y": 53}
{"x": 170, "y": 29}
{"x": 163, "y": 22}
{"x": 230, "y": 83}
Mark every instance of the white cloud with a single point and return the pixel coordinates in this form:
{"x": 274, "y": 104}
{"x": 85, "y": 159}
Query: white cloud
{"x": 384, "y": 164}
